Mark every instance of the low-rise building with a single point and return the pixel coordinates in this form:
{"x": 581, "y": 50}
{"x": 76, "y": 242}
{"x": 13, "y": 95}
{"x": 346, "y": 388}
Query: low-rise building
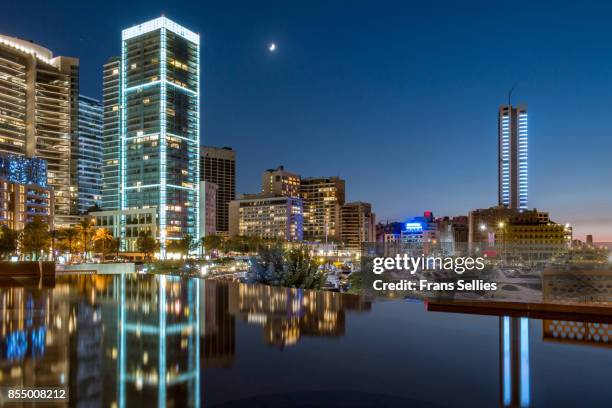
{"x": 529, "y": 235}
{"x": 135, "y": 222}
{"x": 24, "y": 193}
{"x": 267, "y": 216}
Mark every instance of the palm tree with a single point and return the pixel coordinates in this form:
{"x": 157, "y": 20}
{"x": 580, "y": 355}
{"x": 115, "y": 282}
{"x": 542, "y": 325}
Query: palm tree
{"x": 85, "y": 231}
{"x": 103, "y": 238}
{"x": 68, "y": 239}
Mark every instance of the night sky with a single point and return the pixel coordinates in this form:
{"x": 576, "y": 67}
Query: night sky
{"x": 398, "y": 98}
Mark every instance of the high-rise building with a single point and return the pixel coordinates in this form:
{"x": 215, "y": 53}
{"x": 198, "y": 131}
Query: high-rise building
{"x": 267, "y": 216}
{"x": 159, "y": 125}
{"x": 208, "y": 208}
{"x": 112, "y": 134}
{"x": 322, "y": 197}
{"x": 39, "y": 114}
{"x": 89, "y": 154}
{"x": 512, "y": 156}
{"x": 357, "y": 224}
{"x": 280, "y": 182}
{"x": 218, "y": 166}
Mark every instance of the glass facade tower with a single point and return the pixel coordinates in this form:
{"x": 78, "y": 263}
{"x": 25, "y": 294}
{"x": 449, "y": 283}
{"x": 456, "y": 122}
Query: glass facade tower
{"x": 159, "y": 125}
{"x": 512, "y": 157}
{"x": 89, "y": 159}
{"x": 111, "y": 136}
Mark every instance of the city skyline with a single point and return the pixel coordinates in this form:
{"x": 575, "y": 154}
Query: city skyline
{"x": 398, "y": 96}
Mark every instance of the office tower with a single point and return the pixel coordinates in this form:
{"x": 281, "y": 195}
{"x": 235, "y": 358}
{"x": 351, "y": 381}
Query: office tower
{"x": 112, "y": 134}
{"x": 208, "y": 208}
{"x": 39, "y": 113}
{"x": 89, "y": 154}
{"x": 357, "y": 224}
{"x": 267, "y": 216}
{"x": 160, "y": 134}
{"x": 280, "y": 182}
{"x": 322, "y": 197}
{"x": 218, "y": 166}
{"x": 512, "y": 156}
{"x": 24, "y": 192}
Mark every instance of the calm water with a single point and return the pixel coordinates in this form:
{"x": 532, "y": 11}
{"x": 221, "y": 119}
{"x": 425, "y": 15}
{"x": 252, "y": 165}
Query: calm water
{"x": 125, "y": 341}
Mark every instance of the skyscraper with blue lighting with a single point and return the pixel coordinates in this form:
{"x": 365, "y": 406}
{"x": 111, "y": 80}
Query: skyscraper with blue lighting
{"x": 159, "y": 125}
{"x": 512, "y": 156}
{"x": 88, "y": 157}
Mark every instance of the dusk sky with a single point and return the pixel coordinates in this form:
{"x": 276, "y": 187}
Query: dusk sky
{"x": 398, "y": 98}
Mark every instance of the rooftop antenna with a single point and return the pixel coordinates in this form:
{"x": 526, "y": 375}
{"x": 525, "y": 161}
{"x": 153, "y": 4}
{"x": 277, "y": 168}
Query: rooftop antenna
{"x": 510, "y": 95}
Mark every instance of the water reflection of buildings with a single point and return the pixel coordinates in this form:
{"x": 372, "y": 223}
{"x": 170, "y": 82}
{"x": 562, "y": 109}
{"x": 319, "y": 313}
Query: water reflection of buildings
{"x": 218, "y": 336}
{"x": 514, "y": 365}
{"x": 287, "y": 314}
{"x": 120, "y": 341}
{"x": 580, "y": 333}
{"x": 52, "y": 338}
{"x": 158, "y": 343}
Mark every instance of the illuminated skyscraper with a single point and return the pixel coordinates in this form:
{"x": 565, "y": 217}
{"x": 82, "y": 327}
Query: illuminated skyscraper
{"x": 38, "y": 114}
{"x": 89, "y": 154}
{"x": 111, "y": 137}
{"x": 159, "y": 125}
{"x": 512, "y": 156}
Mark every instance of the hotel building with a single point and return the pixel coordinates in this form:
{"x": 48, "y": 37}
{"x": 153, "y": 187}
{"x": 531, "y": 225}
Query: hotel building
{"x": 267, "y": 216}
{"x": 89, "y": 154}
{"x": 218, "y": 166}
{"x": 38, "y": 114}
{"x": 512, "y": 156}
{"x": 322, "y": 197}
{"x": 280, "y": 182}
{"x": 159, "y": 132}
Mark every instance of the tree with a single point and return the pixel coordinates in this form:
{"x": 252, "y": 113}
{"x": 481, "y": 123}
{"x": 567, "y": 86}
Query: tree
{"x": 68, "y": 238}
{"x": 212, "y": 242}
{"x": 243, "y": 244}
{"x": 183, "y": 246}
{"x": 35, "y": 237}
{"x": 8, "y": 241}
{"x": 115, "y": 246}
{"x": 146, "y": 244}
{"x": 85, "y": 232}
{"x": 295, "y": 268}
{"x": 102, "y": 241}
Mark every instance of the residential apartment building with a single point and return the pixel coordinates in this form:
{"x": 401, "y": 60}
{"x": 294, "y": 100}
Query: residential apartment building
{"x": 357, "y": 224}
{"x": 111, "y": 134}
{"x": 323, "y": 197}
{"x": 89, "y": 154}
{"x": 158, "y": 154}
{"x": 39, "y": 114}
